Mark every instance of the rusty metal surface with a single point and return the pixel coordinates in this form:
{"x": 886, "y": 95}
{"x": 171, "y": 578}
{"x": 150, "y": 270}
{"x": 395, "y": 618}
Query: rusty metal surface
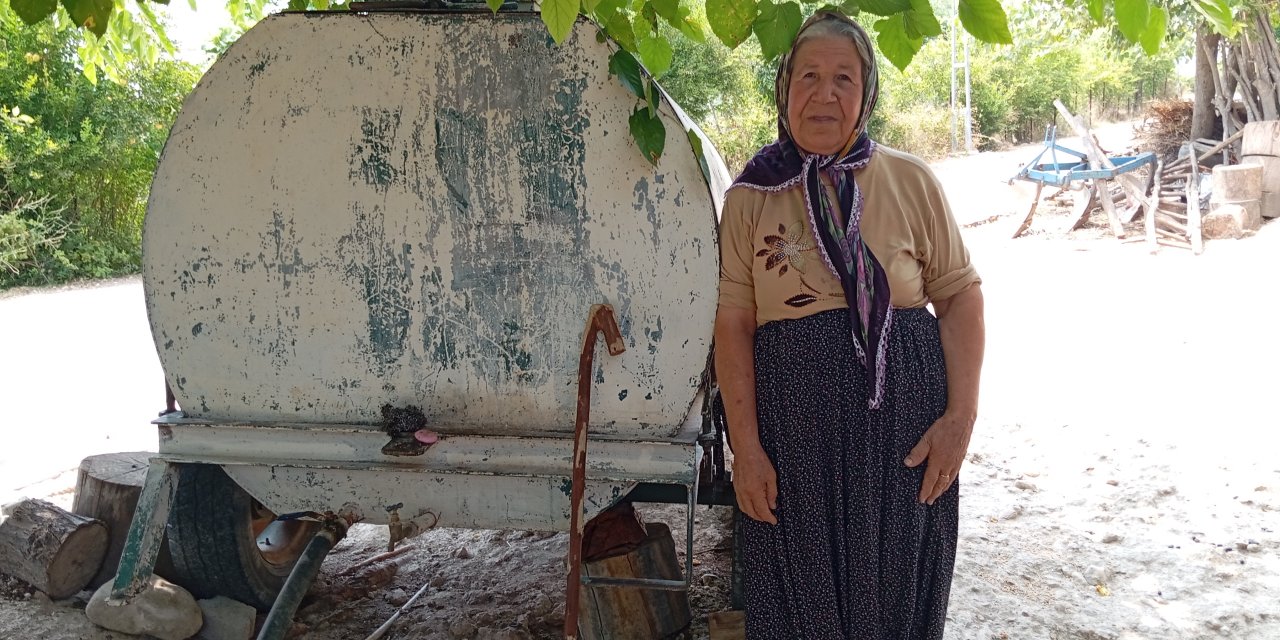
{"x": 345, "y": 217}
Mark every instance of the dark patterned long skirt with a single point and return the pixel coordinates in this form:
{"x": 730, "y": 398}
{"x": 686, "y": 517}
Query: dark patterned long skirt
{"x": 854, "y": 555}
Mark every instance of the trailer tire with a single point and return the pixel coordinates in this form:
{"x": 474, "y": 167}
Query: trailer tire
{"x": 216, "y": 534}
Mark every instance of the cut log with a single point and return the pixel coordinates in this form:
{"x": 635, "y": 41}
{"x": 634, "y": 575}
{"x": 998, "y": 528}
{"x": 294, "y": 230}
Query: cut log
{"x": 631, "y": 613}
{"x": 107, "y": 488}
{"x": 1261, "y": 138}
{"x": 52, "y": 550}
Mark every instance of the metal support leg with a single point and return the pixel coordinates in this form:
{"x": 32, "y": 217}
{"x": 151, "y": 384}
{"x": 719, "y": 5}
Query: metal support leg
{"x": 660, "y": 584}
{"x": 138, "y": 559}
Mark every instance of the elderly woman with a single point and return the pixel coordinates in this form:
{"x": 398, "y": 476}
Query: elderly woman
{"x": 849, "y": 405}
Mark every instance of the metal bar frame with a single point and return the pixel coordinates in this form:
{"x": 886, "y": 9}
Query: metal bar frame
{"x": 658, "y": 583}
{"x": 146, "y": 532}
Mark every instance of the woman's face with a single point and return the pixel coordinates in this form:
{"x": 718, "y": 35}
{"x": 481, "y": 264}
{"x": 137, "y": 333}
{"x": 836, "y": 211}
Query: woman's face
{"x": 824, "y": 99}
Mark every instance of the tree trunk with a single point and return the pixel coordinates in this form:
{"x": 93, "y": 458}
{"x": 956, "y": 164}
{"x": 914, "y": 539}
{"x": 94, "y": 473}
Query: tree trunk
{"x": 107, "y": 488}
{"x": 1203, "y": 116}
{"x": 52, "y": 550}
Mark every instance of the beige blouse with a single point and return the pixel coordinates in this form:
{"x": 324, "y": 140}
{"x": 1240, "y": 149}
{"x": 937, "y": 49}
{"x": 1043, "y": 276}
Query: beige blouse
{"x": 770, "y": 259}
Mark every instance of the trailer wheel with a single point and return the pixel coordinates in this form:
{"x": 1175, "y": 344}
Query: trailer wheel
{"x": 224, "y": 542}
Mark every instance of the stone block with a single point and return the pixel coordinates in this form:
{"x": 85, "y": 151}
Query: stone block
{"x": 163, "y": 610}
{"x": 1237, "y": 183}
{"x": 227, "y": 619}
{"x": 1232, "y": 220}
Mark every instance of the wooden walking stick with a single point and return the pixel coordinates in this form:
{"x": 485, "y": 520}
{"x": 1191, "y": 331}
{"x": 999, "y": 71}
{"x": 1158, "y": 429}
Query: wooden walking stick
{"x": 600, "y": 319}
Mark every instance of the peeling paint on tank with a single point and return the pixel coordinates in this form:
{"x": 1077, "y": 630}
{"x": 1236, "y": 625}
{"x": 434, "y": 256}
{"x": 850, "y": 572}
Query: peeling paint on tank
{"x": 371, "y": 158}
{"x": 382, "y": 273}
{"x": 261, "y": 65}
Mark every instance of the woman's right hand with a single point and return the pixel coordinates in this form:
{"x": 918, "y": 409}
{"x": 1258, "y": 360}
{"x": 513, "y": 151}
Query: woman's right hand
{"x": 755, "y": 484}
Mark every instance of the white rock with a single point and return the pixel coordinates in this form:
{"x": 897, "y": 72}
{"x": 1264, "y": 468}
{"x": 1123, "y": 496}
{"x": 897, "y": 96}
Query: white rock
{"x": 396, "y": 597}
{"x": 163, "y": 610}
{"x": 1024, "y": 485}
{"x": 1098, "y": 574}
{"x": 226, "y": 619}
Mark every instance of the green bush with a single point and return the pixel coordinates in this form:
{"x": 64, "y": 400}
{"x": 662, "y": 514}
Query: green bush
{"x": 76, "y": 158}
{"x": 923, "y": 129}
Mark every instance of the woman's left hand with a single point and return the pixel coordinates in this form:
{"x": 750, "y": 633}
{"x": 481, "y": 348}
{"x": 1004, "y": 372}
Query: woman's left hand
{"x": 942, "y": 449}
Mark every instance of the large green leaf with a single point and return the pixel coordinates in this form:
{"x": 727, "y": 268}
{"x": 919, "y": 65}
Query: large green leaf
{"x": 678, "y": 16}
{"x": 559, "y": 15}
{"x": 1097, "y": 10}
{"x": 494, "y": 5}
{"x": 1218, "y": 13}
{"x": 669, "y": 9}
{"x": 90, "y": 14}
{"x": 33, "y": 11}
{"x": 649, "y": 133}
{"x": 656, "y": 54}
{"x": 1157, "y": 26}
{"x": 884, "y": 7}
{"x": 731, "y": 20}
{"x": 625, "y": 66}
{"x": 776, "y": 26}
{"x": 1132, "y": 17}
{"x": 986, "y": 20}
{"x": 894, "y": 42}
{"x": 618, "y": 27}
{"x": 920, "y": 21}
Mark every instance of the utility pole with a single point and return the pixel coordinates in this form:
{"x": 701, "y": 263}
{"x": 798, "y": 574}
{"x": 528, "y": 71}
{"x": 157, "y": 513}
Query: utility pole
{"x": 956, "y": 112}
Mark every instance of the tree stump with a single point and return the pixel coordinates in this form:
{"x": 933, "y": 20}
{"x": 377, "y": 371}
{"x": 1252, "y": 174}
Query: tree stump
{"x": 52, "y": 550}
{"x": 107, "y": 489}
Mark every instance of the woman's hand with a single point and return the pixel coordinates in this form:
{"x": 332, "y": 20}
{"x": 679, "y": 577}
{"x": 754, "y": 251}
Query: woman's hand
{"x": 942, "y": 449}
{"x": 754, "y": 480}
{"x": 962, "y": 329}
{"x": 756, "y": 485}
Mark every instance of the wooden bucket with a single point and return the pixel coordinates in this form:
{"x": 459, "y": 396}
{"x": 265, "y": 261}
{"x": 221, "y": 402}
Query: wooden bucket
{"x": 627, "y": 613}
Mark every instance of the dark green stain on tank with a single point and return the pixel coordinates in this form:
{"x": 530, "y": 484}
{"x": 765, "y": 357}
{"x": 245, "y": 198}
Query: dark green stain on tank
{"x": 261, "y": 65}
{"x": 373, "y": 158}
{"x": 381, "y": 268}
{"x": 654, "y": 336}
{"x": 438, "y": 334}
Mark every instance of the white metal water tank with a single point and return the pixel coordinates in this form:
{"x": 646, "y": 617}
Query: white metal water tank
{"x": 355, "y": 210}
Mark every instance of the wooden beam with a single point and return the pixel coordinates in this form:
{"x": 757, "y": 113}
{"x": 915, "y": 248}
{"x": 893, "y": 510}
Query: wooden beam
{"x": 1152, "y": 244}
{"x": 1097, "y": 160}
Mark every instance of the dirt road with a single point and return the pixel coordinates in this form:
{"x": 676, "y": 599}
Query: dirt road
{"x": 1122, "y": 482}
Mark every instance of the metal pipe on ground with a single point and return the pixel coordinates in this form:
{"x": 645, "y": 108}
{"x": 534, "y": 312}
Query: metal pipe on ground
{"x": 299, "y": 582}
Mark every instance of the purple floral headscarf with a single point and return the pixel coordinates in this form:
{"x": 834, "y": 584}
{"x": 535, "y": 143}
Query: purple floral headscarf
{"x": 783, "y": 165}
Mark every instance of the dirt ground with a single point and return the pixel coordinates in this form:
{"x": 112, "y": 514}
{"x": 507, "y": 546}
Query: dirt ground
{"x": 1122, "y": 482}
